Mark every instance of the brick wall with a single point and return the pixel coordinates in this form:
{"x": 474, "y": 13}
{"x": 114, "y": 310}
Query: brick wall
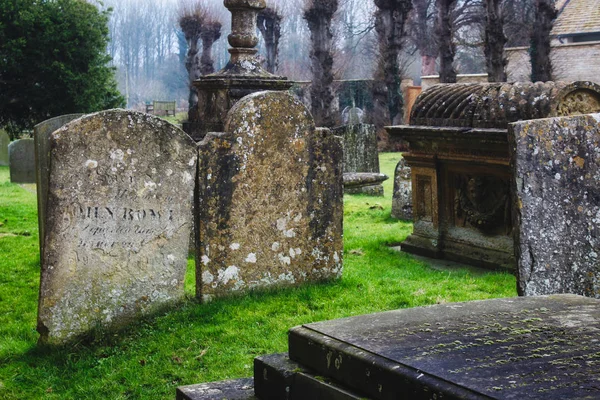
{"x": 571, "y": 62}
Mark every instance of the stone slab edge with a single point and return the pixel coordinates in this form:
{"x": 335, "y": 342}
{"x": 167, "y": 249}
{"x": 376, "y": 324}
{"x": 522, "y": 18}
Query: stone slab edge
{"x": 238, "y": 389}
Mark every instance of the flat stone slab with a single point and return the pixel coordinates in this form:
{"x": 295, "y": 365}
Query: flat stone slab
{"x": 357, "y": 179}
{"x": 238, "y": 389}
{"x": 543, "y": 347}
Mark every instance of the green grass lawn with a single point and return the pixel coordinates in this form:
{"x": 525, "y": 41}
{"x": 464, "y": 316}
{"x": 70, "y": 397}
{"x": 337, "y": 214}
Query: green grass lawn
{"x": 197, "y": 343}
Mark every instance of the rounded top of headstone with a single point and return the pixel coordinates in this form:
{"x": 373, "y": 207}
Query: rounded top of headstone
{"x": 352, "y": 116}
{"x": 495, "y": 105}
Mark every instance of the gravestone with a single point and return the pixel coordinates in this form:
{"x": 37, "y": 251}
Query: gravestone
{"x": 41, "y": 137}
{"x": 21, "y": 155}
{"x": 270, "y": 199}
{"x": 542, "y": 347}
{"x": 116, "y": 241}
{"x": 369, "y": 183}
{"x": 402, "y": 199}
{"x": 353, "y": 116}
{"x": 4, "y": 142}
{"x": 556, "y": 203}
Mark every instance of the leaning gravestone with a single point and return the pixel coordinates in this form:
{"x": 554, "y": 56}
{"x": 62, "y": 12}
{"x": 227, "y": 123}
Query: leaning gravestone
{"x": 402, "y": 198}
{"x": 21, "y": 157}
{"x": 270, "y": 199}
{"x": 120, "y": 194}
{"x": 4, "y": 142}
{"x": 41, "y": 136}
{"x": 556, "y": 201}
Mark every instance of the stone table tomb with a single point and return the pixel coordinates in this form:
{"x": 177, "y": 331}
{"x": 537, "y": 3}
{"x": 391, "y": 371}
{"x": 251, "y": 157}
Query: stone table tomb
{"x": 459, "y": 159}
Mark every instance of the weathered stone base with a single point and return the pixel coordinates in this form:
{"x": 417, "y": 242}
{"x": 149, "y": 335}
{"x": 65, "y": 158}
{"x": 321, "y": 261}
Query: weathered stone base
{"x": 238, "y": 389}
{"x": 371, "y": 190}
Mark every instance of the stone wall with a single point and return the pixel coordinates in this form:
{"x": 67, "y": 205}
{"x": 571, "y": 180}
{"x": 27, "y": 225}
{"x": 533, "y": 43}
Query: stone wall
{"x": 571, "y": 62}
{"x": 430, "y": 80}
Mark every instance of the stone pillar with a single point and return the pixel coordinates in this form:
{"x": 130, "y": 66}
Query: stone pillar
{"x": 243, "y": 75}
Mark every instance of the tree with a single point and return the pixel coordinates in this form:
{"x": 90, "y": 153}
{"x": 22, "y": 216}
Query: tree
{"x": 53, "y": 61}
{"x": 541, "y": 65}
{"x": 269, "y": 24}
{"x": 421, "y": 25}
{"x": 210, "y": 32}
{"x": 495, "y": 40}
{"x": 191, "y": 19}
{"x": 390, "y": 20}
{"x": 319, "y": 15}
{"x": 444, "y": 34}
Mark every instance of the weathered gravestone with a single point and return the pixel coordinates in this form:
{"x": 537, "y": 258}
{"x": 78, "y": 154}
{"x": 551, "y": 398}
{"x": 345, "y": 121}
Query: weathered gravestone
{"x": 4, "y": 142}
{"x": 120, "y": 194}
{"x": 270, "y": 199}
{"x": 21, "y": 155}
{"x": 369, "y": 183}
{"x": 353, "y": 116}
{"x": 522, "y": 348}
{"x": 402, "y": 199}
{"x": 556, "y": 195}
{"x": 41, "y": 137}
{"x": 360, "y": 147}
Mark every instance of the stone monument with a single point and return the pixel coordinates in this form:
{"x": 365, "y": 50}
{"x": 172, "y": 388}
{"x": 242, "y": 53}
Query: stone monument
{"x": 402, "y": 206}
{"x": 459, "y": 159}
{"x": 556, "y": 205}
{"x": 270, "y": 199}
{"x": 21, "y": 156}
{"x": 41, "y": 137}
{"x": 120, "y": 192}
{"x": 243, "y": 74}
{"x": 4, "y": 142}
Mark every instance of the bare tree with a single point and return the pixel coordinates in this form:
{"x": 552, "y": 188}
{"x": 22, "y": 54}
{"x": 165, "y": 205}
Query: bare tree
{"x": 269, "y": 24}
{"x": 421, "y": 26}
{"x": 210, "y": 32}
{"x": 390, "y": 20}
{"x": 494, "y": 43}
{"x": 319, "y": 15}
{"x": 541, "y": 65}
{"x": 444, "y": 34}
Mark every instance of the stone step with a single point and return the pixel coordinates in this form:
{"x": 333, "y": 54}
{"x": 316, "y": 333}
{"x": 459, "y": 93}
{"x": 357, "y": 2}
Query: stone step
{"x": 276, "y": 377}
{"x": 238, "y": 389}
{"x": 535, "y": 347}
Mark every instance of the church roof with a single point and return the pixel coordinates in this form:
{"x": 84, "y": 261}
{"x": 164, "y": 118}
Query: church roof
{"x": 576, "y": 17}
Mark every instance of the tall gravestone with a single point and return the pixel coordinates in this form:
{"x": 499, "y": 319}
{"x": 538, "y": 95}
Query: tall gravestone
{"x": 402, "y": 199}
{"x": 556, "y": 205}
{"x": 270, "y": 199}
{"x": 41, "y": 137}
{"x": 117, "y": 233}
{"x": 21, "y": 155}
{"x": 4, "y": 142}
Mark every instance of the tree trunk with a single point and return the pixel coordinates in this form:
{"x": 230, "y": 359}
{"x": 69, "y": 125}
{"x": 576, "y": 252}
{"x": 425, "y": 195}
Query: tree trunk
{"x": 390, "y": 19}
{"x": 495, "y": 40}
{"x": 444, "y": 33}
{"x": 541, "y": 64}
{"x": 319, "y": 15}
{"x": 269, "y": 24}
{"x": 209, "y": 33}
{"x": 423, "y": 35}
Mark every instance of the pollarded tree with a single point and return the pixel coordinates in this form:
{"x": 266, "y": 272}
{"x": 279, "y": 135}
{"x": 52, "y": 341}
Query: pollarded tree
{"x": 421, "y": 25}
{"x": 390, "y": 20}
{"x": 319, "y": 15}
{"x": 444, "y": 34}
{"x": 53, "y": 61}
{"x": 191, "y": 19}
{"x": 541, "y": 65}
{"x": 210, "y": 32}
{"x": 269, "y": 24}
{"x": 495, "y": 40}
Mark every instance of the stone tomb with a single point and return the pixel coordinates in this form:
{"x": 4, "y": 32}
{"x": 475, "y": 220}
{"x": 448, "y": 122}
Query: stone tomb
{"x": 4, "y": 142}
{"x": 459, "y": 163}
{"x": 556, "y": 186}
{"x": 21, "y": 155}
{"x": 270, "y": 199}
{"x": 120, "y": 197}
{"x": 522, "y": 348}
{"x": 41, "y": 137}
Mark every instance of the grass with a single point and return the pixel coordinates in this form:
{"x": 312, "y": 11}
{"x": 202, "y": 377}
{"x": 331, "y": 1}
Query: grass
{"x": 196, "y": 343}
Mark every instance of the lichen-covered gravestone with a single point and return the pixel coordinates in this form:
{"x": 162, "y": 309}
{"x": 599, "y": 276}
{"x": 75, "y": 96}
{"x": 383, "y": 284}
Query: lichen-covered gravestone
{"x": 117, "y": 230}
{"x": 402, "y": 198}
{"x": 556, "y": 203}
{"x": 21, "y": 155}
{"x": 270, "y": 199}
{"x": 4, "y": 142}
{"x": 41, "y": 137}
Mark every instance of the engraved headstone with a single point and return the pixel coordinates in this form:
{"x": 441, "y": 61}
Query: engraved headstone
{"x": 556, "y": 194}
{"x": 270, "y": 199}
{"x": 116, "y": 244}
{"x": 402, "y": 199}
{"x": 21, "y": 155}
{"x": 41, "y": 137}
{"x": 4, "y": 142}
